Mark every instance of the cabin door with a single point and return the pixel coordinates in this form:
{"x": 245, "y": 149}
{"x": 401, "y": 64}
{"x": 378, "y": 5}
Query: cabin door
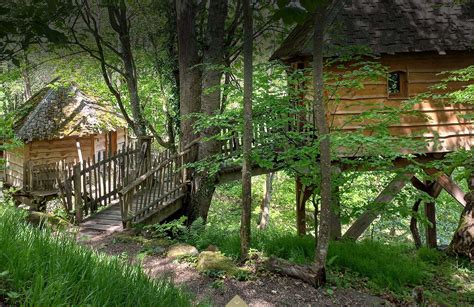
{"x": 112, "y": 142}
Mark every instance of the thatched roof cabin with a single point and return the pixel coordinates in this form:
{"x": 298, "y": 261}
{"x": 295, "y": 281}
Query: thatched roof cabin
{"x": 62, "y": 124}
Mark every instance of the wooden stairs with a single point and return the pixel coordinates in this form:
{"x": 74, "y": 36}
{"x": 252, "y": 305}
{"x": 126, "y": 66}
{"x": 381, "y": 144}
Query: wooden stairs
{"x": 152, "y": 197}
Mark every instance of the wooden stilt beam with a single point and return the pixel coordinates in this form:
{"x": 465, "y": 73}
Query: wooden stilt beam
{"x": 449, "y": 185}
{"x": 364, "y": 221}
{"x": 430, "y": 212}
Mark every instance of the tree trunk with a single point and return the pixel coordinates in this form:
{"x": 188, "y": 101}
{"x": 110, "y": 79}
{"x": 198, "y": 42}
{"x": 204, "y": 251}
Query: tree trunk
{"x": 335, "y": 215}
{"x": 265, "y": 205}
{"x": 364, "y": 221}
{"x": 303, "y": 193}
{"x": 319, "y": 112}
{"x": 189, "y": 87}
{"x": 463, "y": 240}
{"x": 247, "y": 133}
{"x": 25, "y": 73}
{"x": 205, "y": 182}
{"x": 189, "y": 74}
{"x": 462, "y": 243}
{"x": 120, "y": 23}
{"x": 414, "y": 226}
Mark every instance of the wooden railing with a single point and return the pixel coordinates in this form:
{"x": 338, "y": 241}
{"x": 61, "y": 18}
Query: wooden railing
{"x": 44, "y": 177}
{"x": 160, "y": 186}
{"x": 95, "y": 182}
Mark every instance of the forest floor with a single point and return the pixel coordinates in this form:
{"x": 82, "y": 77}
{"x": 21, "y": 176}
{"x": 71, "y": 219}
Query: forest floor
{"x": 261, "y": 289}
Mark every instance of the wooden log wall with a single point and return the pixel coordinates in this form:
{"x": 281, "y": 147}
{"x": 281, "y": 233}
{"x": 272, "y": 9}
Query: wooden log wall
{"x": 14, "y": 172}
{"x": 441, "y": 121}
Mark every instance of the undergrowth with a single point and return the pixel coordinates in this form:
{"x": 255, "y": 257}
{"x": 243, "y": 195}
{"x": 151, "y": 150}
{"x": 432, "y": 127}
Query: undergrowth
{"x": 39, "y": 268}
{"x": 382, "y": 267}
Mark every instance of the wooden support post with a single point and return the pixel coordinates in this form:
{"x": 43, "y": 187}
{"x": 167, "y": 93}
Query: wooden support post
{"x": 431, "y": 235}
{"x": 364, "y": 221}
{"x": 77, "y": 192}
{"x": 434, "y": 189}
{"x": 449, "y": 185}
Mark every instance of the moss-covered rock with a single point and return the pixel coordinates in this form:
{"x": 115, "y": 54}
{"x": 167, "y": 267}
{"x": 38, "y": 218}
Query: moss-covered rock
{"x": 215, "y": 261}
{"x": 181, "y": 250}
{"x": 39, "y": 218}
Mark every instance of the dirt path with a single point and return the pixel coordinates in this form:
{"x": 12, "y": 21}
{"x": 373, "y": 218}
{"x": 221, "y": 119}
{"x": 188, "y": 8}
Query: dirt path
{"x": 263, "y": 289}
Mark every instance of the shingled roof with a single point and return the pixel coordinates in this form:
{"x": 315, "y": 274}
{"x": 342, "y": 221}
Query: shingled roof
{"x": 56, "y": 112}
{"x": 390, "y": 26}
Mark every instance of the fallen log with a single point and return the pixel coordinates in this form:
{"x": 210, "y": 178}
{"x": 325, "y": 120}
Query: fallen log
{"x": 305, "y": 273}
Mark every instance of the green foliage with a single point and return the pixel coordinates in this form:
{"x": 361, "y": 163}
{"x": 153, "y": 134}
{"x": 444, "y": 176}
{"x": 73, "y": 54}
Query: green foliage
{"x": 386, "y": 266}
{"x": 177, "y": 230}
{"x": 51, "y": 270}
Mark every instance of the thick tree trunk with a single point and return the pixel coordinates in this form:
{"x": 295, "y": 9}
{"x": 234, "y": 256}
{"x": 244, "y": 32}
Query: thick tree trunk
{"x": 247, "y": 133}
{"x": 205, "y": 182}
{"x": 189, "y": 74}
{"x": 414, "y": 224}
{"x": 319, "y": 113}
{"x": 189, "y": 87}
{"x": 265, "y": 204}
{"x": 303, "y": 193}
{"x": 463, "y": 239}
{"x": 462, "y": 243}
{"x": 364, "y": 221}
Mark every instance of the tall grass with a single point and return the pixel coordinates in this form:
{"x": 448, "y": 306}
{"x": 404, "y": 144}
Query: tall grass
{"x": 52, "y": 270}
{"x": 393, "y": 266}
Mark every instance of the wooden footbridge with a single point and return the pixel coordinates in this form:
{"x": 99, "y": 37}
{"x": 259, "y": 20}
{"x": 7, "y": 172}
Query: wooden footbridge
{"x": 137, "y": 185}
{"x": 129, "y": 187}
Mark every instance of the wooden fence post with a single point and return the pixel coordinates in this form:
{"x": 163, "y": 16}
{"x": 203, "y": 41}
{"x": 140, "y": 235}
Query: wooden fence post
{"x": 77, "y": 192}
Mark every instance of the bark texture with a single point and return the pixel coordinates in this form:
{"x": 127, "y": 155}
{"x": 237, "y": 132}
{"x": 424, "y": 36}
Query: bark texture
{"x": 335, "y": 232}
{"x": 247, "y": 133}
{"x": 303, "y": 193}
{"x": 414, "y": 225}
{"x": 189, "y": 74}
{"x": 325, "y": 147}
{"x": 265, "y": 204}
{"x": 463, "y": 239}
{"x": 204, "y": 182}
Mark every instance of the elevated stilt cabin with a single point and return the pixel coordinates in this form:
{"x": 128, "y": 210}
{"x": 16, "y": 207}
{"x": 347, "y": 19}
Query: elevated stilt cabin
{"x": 416, "y": 41}
{"x": 59, "y": 127}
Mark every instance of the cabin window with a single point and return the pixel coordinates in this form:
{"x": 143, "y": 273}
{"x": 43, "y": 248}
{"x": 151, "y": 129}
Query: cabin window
{"x": 397, "y": 84}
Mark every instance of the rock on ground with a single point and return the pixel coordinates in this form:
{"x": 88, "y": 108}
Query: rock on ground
{"x": 181, "y": 250}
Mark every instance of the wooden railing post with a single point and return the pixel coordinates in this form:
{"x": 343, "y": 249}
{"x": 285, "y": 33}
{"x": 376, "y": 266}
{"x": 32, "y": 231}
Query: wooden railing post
{"x": 77, "y": 192}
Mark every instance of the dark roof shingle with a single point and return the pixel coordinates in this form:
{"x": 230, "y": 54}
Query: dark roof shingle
{"x": 390, "y": 26}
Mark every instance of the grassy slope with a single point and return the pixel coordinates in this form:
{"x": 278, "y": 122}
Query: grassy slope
{"x": 382, "y": 266}
{"x": 39, "y": 269}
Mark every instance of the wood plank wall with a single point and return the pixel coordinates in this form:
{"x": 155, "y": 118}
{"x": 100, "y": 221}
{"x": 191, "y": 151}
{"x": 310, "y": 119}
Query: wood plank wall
{"x": 422, "y": 69}
{"x": 51, "y": 151}
{"x": 14, "y": 166}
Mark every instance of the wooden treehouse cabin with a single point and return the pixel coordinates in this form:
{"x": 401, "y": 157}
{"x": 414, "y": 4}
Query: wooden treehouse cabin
{"x": 416, "y": 41}
{"x": 59, "y": 127}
